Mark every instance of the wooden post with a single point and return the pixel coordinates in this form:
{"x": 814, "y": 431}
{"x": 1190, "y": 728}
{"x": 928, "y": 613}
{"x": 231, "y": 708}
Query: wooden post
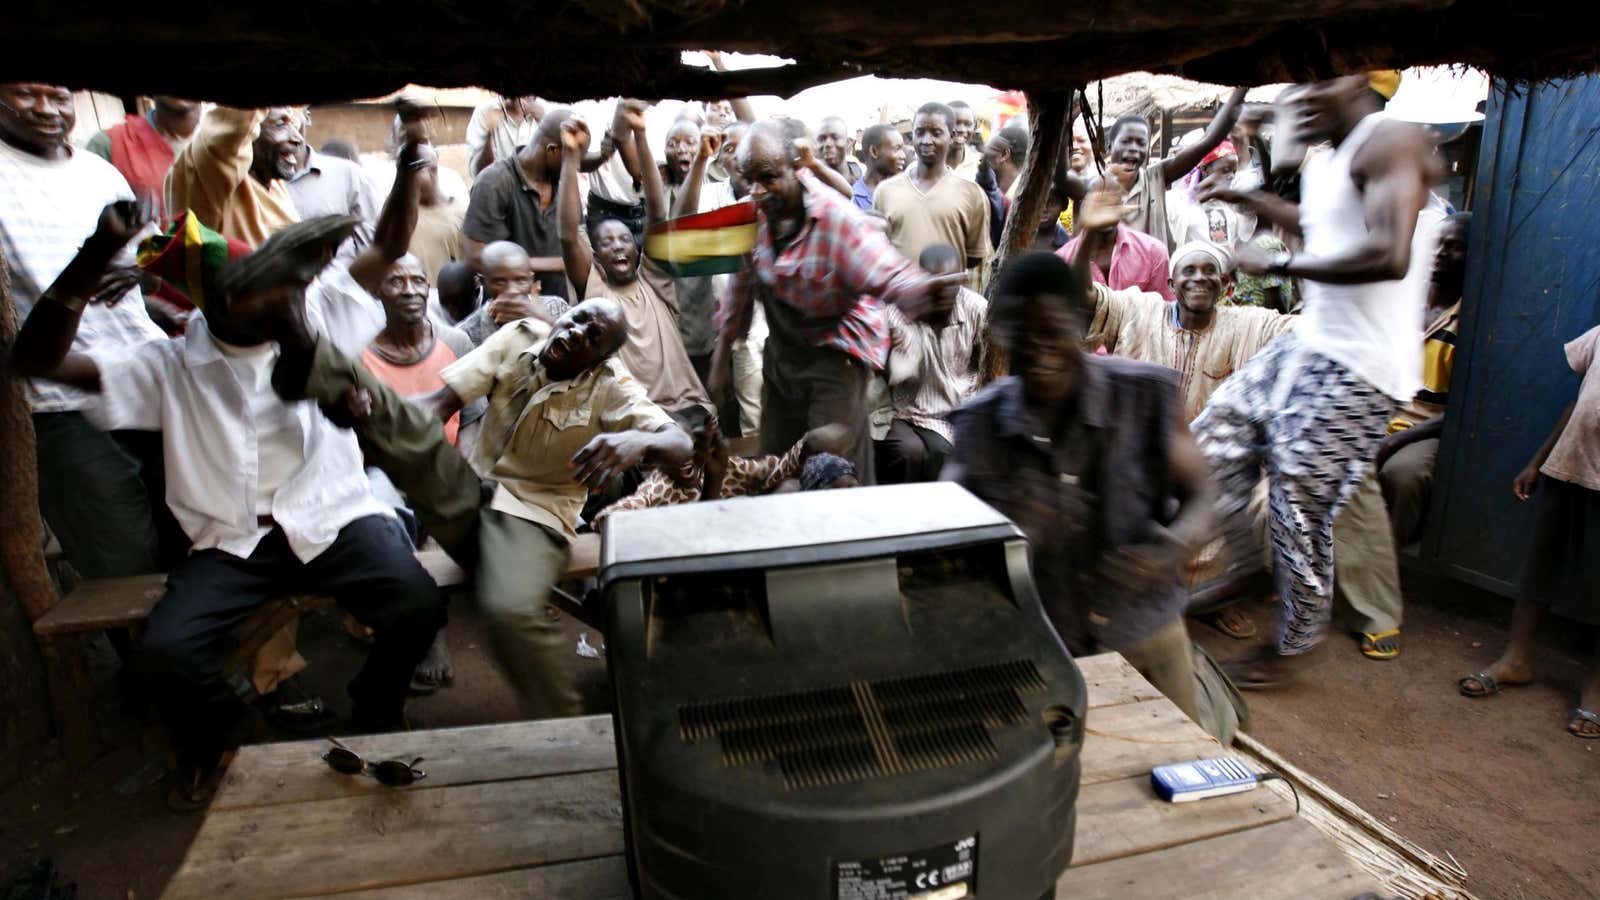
{"x": 1049, "y": 127}
{"x": 1049, "y": 121}
{"x": 26, "y": 591}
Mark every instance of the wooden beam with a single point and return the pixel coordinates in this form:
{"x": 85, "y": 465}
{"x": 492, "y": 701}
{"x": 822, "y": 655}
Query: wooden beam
{"x": 21, "y": 531}
{"x": 1049, "y": 127}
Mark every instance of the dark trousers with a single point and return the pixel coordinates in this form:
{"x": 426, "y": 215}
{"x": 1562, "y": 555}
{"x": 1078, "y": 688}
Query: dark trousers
{"x": 909, "y": 454}
{"x": 369, "y": 569}
{"x": 728, "y": 407}
{"x": 805, "y": 387}
{"x": 93, "y": 498}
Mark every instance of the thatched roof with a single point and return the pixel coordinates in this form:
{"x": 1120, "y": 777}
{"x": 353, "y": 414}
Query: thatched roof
{"x": 250, "y": 53}
{"x": 1149, "y": 94}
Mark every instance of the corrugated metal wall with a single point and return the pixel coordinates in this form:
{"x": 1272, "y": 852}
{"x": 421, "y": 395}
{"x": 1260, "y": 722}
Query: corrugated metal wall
{"x": 1533, "y": 283}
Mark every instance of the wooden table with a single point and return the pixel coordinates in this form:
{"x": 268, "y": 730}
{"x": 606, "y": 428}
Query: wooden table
{"x": 531, "y": 810}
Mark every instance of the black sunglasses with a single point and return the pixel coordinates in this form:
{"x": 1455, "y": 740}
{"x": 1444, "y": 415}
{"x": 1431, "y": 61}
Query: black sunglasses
{"x": 391, "y": 772}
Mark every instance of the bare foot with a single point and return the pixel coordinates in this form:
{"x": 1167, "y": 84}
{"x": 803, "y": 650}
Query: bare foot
{"x": 436, "y": 669}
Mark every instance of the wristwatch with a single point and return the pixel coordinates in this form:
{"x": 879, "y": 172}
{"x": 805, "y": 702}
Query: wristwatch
{"x": 1279, "y": 264}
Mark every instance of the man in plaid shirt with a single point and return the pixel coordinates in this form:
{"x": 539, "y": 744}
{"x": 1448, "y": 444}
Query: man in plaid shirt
{"x": 822, "y": 271}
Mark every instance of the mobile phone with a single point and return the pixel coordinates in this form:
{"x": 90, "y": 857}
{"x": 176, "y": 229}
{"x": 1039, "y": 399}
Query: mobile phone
{"x": 1182, "y": 782}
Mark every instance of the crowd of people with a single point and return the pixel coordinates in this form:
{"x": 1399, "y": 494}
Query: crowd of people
{"x": 253, "y": 369}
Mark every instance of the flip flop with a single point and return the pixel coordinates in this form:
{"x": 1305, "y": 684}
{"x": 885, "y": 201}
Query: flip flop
{"x": 1383, "y": 645}
{"x": 1487, "y": 686}
{"x": 1580, "y": 718}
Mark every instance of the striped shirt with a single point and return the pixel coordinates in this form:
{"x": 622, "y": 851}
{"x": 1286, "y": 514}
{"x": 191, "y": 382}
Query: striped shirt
{"x": 838, "y": 272}
{"x": 1438, "y": 360}
{"x": 933, "y": 371}
{"x": 48, "y": 208}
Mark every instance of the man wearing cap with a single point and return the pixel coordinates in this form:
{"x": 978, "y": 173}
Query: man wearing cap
{"x": 1314, "y": 404}
{"x": 1203, "y": 342}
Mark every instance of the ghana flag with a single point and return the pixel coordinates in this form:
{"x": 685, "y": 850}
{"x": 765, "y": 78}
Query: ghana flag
{"x": 189, "y": 258}
{"x": 708, "y": 243}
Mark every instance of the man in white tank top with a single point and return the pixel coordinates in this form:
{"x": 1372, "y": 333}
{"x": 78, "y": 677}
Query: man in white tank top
{"x": 1313, "y": 405}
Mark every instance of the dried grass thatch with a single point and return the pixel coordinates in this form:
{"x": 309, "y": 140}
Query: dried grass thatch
{"x": 253, "y": 53}
{"x": 1404, "y": 869}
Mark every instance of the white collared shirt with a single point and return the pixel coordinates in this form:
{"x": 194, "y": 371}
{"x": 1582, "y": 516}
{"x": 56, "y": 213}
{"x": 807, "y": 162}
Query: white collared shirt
{"x": 211, "y": 439}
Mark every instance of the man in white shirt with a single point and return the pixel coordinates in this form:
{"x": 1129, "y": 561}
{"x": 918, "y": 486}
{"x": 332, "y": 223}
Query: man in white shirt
{"x": 499, "y": 128}
{"x": 934, "y": 367}
{"x": 273, "y": 496}
{"x": 51, "y": 196}
{"x": 325, "y": 185}
{"x": 1315, "y": 403}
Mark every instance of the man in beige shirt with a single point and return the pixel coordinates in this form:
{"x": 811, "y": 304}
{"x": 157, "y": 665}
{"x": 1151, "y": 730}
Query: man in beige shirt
{"x": 929, "y": 204}
{"x": 563, "y": 418}
{"x": 608, "y": 262}
{"x": 234, "y": 173}
{"x": 1203, "y": 342}
{"x": 437, "y": 238}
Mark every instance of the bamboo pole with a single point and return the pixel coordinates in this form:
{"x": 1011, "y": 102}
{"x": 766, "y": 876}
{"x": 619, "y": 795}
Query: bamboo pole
{"x": 1405, "y": 869}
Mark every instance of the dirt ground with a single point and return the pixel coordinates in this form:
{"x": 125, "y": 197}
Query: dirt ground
{"x": 1498, "y": 783}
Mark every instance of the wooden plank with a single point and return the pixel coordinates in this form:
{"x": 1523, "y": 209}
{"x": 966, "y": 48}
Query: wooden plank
{"x": 373, "y": 837}
{"x": 1288, "y": 860}
{"x": 293, "y": 772}
{"x": 103, "y": 603}
{"x": 401, "y": 837}
{"x": 585, "y": 561}
{"x": 605, "y": 878}
{"x": 121, "y": 602}
{"x": 1124, "y": 818}
{"x": 1112, "y": 681}
{"x": 1131, "y": 739}
{"x": 444, "y": 570}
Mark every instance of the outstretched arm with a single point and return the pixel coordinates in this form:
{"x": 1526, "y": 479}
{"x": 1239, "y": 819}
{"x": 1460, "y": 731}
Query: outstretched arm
{"x": 1100, "y": 210}
{"x": 575, "y": 253}
{"x": 655, "y": 206}
{"x": 610, "y": 455}
{"x": 742, "y": 110}
{"x": 689, "y": 198}
{"x": 42, "y": 346}
{"x": 1394, "y": 169}
{"x": 1184, "y": 161}
{"x": 1523, "y": 486}
{"x": 391, "y": 236}
{"x": 806, "y": 158}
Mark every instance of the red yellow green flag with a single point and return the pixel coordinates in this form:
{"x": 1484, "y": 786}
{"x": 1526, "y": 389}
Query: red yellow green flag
{"x": 190, "y": 258}
{"x": 708, "y": 243}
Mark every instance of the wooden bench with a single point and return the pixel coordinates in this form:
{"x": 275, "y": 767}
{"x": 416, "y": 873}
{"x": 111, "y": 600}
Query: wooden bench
{"x": 531, "y": 809}
{"x": 125, "y": 603}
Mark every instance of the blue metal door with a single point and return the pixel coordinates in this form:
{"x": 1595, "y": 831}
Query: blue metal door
{"x": 1532, "y": 284}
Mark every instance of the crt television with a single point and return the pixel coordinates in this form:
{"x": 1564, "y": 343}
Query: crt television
{"x": 838, "y": 695}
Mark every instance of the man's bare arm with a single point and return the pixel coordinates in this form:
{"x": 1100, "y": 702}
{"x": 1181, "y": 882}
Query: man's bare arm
{"x": 689, "y": 198}
{"x": 655, "y": 205}
{"x": 1184, "y": 161}
{"x": 742, "y": 110}
{"x": 575, "y": 253}
{"x": 391, "y": 236}
{"x": 1394, "y": 169}
{"x": 42, "y": 347}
